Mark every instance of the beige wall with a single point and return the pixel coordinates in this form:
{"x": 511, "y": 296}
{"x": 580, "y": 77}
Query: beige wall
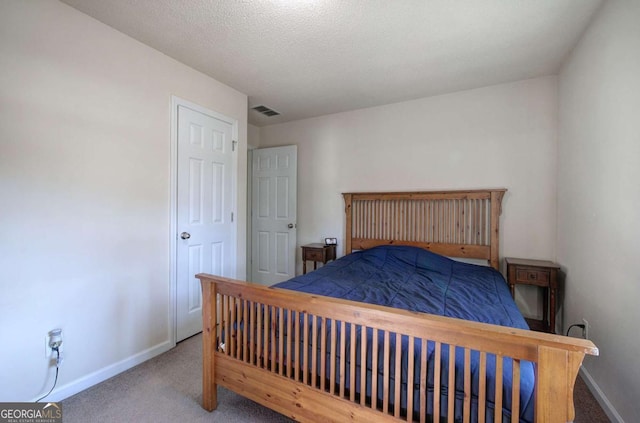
{"x": 85, "y": 194}
{"x": 599, "y": 198}
{"x": 253, "y": 136}
{"x": 499, "y": 136}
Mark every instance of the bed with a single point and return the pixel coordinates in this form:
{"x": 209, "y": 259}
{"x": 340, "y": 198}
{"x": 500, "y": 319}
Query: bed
{"x": 313, "y": 357}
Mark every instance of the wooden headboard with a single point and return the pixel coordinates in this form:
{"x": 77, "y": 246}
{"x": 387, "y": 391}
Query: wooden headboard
{"x": 451, "y": 223}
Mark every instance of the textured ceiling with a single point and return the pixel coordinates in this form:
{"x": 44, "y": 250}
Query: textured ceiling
{"x": 308, "y": 58}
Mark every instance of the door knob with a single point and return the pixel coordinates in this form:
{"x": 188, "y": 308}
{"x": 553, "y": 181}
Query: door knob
{"x": 290, "y": 226}
{"x": 185, "y": 235}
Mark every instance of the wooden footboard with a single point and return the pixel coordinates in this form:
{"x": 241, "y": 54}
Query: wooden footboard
{"x": 301, "y": 355}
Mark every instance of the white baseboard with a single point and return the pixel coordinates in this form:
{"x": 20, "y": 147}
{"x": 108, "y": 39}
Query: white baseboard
{"x": 602, "y": 399}
{"x": 105, "y": 373}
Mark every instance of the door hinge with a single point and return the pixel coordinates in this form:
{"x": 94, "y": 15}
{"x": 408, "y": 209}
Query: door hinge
{"x": 233, "y": 145}
{"x": 232, "y": 216}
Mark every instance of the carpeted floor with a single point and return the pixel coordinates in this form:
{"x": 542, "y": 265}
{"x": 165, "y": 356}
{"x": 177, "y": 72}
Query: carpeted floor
{"x": 587, "y": 408}
{"x": 168, "y": 389}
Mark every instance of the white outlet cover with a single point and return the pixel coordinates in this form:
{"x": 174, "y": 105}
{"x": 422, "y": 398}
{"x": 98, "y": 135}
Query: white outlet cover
{"x": 48, "y": 351}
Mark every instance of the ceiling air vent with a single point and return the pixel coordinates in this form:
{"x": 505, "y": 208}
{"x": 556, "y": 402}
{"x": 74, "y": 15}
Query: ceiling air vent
{"x": 265, "y": 110}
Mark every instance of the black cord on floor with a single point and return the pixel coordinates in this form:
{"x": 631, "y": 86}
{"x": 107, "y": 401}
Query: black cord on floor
{"x": 56, "y": 379}
{"x": 579, "y": 325}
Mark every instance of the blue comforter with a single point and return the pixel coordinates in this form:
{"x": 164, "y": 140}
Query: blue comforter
{"x": 417, "y": 280}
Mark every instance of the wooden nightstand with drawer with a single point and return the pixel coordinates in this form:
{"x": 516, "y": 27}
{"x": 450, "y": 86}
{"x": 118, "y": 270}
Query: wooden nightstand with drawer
{"x": 540, "y": 273}
{"x": 317, "y": 253}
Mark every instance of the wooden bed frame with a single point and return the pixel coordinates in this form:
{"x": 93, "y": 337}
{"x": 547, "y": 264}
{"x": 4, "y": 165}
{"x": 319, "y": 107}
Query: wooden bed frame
{"x": 244, "y": 323}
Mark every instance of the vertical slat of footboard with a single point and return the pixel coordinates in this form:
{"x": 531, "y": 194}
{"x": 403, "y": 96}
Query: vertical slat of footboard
{"x": 265, "y": 334}
{"x": 225, "y": 314}
{"x": 323, "y": 354}
{"x": 332, "y": 360}
{"x": 410, "y": 385}
{"x": 466, "y": 408}
{"x": 289, "y": 325}
{"x": 423, "y": 381}
{"x": 245, "y": 330}
{"x": 281, "y": 341}
{"x": 219, "y": 320}
{"x": 273, "y": 348}
{"x": 259, "y": 335}
{"x": 240, "y": 330}
{"x": 482, "y": 388}
{"x": 234, "y": 328}
{"x": 451, "y": 386}
{"x": 497, "y": 400}
{"x": 437, "y": 363}
{"x": 305, "y": 350}
{"x": 314, "y": 351}
{"x": 385, "y": 374}
{"x": 252, "y": 331}
{"x": 343, "y": 358}
{"x": 398, "y": 376}
{"x": 352, "y": 364}
{"x": 515, "y": 391}
{"x": 363, "y": 365}
{"x": 374, "y": 369}
{"x": 296, "y": 346}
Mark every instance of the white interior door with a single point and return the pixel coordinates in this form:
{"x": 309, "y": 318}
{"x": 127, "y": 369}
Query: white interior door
{"x": 273, "y": 211}
{"x": 206, "y": 231}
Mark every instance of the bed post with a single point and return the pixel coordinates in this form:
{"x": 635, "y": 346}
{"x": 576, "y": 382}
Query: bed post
{"x": 348, "y": 229}
{"x": 209, "y": 332}
{"x": 496, "y": 211}
{"x": 556, "y": 374}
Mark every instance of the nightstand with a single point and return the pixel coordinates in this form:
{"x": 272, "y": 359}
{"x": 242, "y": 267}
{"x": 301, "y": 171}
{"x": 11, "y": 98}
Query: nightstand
{"x": 317, "y": 253}
{"x": 540, "y": 273}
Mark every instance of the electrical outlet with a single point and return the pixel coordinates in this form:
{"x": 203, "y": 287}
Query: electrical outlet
{"x": 585, "y": 330}
{"x": 52, "y": 340}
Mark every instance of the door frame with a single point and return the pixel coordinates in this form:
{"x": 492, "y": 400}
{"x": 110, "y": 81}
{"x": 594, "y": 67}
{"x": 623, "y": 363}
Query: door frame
{"x": 173, "y": 210}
